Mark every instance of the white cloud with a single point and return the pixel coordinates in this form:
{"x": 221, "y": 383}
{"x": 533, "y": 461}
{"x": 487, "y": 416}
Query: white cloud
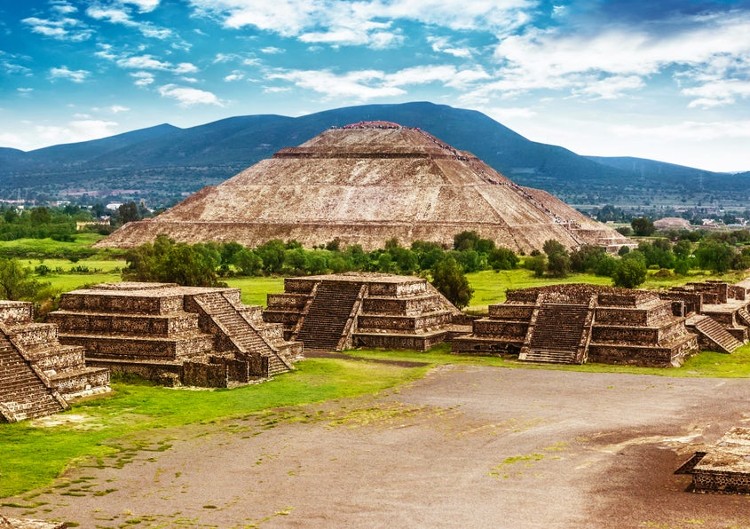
{"x": 64, "y": 8}
{"x": 443, "y": 45}
{"x": 271, "y": 50}
{"x": 110, "y": 14}
{"x": 185, "y": 67}
{"x": 25, "y": 90}
{"x": 116, "y": 109}
{"x": 689, "y": 130}
{"x": 144, "y": 6}
{"x": 608, "y": 62}
{"x": 62, "y": 28}
{"x": 360, "y": 85}
{"x": 187, "y": 97}
{"x": 366, "y": 22}
{"x": 142, "y": 79}
{"x": 33, "y": 135}
{"x": 76, "y": 76}
{"x": 716, "y": 93}
{"x": 612, "y": 87}
{"x": 236, "y": 75}
{"x": 369, "y": 84}
{"x": 502, "y": 114}
{"x": 143, "y": 62}
{"x": 122, "y": 15}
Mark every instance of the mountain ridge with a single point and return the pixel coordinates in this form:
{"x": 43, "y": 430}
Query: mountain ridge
{"x": 165, "y": 162}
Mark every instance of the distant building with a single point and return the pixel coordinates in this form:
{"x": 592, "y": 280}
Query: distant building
{"x": 672, "y": 223}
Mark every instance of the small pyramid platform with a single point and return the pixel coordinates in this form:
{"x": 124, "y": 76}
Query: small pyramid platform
{"x": 179, "y": 335}
{"x": 365, "y": 184}
{"x": 38, "y": 375}
{"x": 723, "y": 467}
{"x": 573, "y": 324}
{"x": 341, "y": 311}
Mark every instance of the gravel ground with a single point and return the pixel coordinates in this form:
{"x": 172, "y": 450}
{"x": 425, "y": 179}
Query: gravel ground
{"x": 466, "y": 447}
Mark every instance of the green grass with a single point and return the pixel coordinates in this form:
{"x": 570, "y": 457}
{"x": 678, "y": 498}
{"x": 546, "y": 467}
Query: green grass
{"x": 33, "y": 456}
{"x": 254, "y": 289}
{"x": 49, "y": 248}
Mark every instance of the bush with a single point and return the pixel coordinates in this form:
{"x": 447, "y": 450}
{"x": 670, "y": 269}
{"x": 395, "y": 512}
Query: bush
{"x": 629, "y": 273}
{"x": 450, "y": 280}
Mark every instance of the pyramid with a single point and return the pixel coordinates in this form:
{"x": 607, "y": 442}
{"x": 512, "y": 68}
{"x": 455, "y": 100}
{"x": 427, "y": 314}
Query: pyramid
{"x": 364, "y": 184}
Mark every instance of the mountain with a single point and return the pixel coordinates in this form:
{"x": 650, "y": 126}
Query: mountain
{"x": 163, "y": 163}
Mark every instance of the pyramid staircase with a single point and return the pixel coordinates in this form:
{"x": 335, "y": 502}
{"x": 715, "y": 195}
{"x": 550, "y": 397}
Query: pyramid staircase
{"x": 744, "y": 316}
{"x": 712, "y": 331}
{"x": 330, "y": 315}
{"x": 24, "y": 393}
{"x": 558, "y": 334}
{"x": 247, "y": 331}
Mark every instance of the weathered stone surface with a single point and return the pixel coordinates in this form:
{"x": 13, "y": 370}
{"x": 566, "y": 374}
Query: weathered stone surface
{"x": 366, "y": 184}
{"x": 579, "y": 323}
{"x": 725, "y": 467}
{"x": 338, "y": 311}
{"x": 168, "y": 333}
{"x": 37, "y": 373}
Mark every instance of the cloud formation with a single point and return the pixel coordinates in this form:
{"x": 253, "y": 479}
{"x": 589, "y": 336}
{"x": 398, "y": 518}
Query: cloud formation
{"x": 76, "y": 76}
{"x": 187, "y": 97}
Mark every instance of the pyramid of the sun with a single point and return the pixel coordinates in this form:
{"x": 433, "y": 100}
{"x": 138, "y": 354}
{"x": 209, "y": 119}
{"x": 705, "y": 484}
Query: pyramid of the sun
{"x": 365, "y": 184}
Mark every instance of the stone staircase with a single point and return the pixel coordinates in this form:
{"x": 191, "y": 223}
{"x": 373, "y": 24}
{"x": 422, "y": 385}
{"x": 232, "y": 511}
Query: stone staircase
{"x": 557, "y": 334}
{"x": 744, "y": 316}
{"x": 23, "y": 392}
{"x": 63, "y": 365}
{"x": 248, "y": 338}
{"x": 325, "y": 323}
{"x": 712, "y": 331}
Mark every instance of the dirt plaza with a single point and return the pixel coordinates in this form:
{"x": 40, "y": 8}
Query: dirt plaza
{"x": 467, "y": 446}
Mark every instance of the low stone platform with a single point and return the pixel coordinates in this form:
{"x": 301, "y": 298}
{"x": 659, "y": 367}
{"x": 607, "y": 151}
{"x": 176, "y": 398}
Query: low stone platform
{"x": 173, "y": 334}
{"x": 577, "y": 323}
{"x": 341, "y": 311}
{"x": 38, "y": 375}
{"x": 725, "y": 467}
{"x": 26, "y": 523}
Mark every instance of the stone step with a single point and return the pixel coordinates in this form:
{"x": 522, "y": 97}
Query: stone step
{"x": 716, "y": 334}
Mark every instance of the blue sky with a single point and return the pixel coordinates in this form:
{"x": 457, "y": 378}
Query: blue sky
{"x": 667, "y": 80}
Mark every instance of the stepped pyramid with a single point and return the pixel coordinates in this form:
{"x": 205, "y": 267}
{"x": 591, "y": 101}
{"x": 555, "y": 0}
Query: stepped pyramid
{"x": 340, "y": 311}
{"x": 367, "y": 183}
{"x": 37, "y": 373}
{"x": 191, "y": 335}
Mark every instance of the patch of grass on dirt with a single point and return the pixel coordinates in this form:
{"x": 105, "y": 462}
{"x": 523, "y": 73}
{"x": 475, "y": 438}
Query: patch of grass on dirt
{"x": 114, "y": 425}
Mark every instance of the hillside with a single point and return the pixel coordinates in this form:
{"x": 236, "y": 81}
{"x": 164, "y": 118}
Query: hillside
{"x": 164, "y": 163}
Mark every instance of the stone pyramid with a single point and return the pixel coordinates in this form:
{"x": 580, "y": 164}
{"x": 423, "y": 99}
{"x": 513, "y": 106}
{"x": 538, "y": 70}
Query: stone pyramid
{"x": 367, "y": 183}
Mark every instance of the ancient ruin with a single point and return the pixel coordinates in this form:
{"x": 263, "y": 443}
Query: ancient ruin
{"x": 716, "y": 311}
{"x": 365, "y": 184}
{"x": 38, "y": 375}
{"x": 15, "y": 523}
{"x": 341, "y": 311}
{"x": 173, "y": 334}
{"x": 725, "y": 467}
{"x": 573, "y": 324}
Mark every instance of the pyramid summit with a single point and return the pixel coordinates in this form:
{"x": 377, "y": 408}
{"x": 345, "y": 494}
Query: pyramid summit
{"x": 366, "y": 183}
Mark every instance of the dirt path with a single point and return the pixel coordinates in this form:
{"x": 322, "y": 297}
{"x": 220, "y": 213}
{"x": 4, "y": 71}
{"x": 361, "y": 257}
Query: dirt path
{"x": 467, "y": 447}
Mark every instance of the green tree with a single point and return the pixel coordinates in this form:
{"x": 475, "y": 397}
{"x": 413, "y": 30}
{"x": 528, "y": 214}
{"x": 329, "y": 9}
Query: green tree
{"x": 272, "y": 254}
{"x": 249, "y": 262}
{"x": 502, "y": 259}
{"x": 714, "y": 255}
{"x": 128, "y": 212}
{"x": 642, "y": 226}
{"x": 450, "y": 280}
{"x": 170, "y": 262}
{"x": 17, "y": 282}
{"x": 630, "y": 271}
